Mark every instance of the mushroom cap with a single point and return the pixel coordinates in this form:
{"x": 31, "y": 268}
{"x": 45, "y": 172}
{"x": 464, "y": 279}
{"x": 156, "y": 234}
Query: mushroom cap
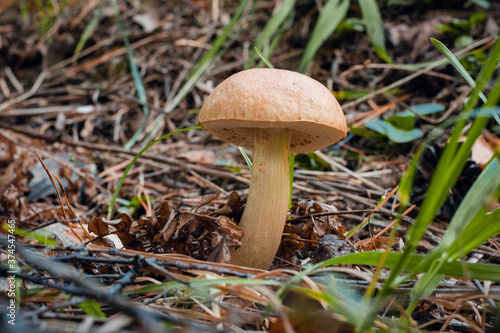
{"x": 273, "y": 99}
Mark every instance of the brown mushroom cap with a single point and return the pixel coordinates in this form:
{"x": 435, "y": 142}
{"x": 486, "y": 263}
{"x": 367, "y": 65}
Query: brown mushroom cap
{"x": 274, "y": 98}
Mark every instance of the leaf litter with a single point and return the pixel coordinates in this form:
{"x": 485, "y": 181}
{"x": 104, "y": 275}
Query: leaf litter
{"x": 164, "y": 256}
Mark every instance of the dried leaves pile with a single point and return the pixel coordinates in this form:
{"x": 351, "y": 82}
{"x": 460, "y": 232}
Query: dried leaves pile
{"x": 199, "y": 233}
{"x": 208, "y": 233}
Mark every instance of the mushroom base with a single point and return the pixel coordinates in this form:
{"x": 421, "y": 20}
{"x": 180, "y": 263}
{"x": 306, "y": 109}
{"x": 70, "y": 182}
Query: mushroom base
{"x": 265, "y": 213}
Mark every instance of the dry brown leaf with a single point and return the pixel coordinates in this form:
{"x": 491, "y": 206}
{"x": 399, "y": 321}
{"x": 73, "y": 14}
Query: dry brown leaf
{"x": 206, "y": 200}
{"x": 98, "y": 226}
{"x": 230, "y": 228}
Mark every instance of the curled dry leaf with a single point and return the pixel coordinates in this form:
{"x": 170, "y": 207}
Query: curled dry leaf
{"x": 207, "y": 200}
{"x": 306, "y": 234}
{"x": 206, "y": 236}
{"x": 123, "y": 228}
{"x": 98, "y": 226}
{"x": 230, "y": 228}
{"x": 233, "y": 207}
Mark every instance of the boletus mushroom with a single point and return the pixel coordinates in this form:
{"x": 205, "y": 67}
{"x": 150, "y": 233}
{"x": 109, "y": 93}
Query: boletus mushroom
{"x": 275, "y": 112}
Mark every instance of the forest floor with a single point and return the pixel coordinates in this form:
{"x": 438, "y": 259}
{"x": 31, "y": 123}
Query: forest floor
{"x": 87, "y": 110}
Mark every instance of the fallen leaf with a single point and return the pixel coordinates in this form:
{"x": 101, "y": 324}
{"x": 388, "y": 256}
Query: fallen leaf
{"x": 149, "y": 20}
{"x": 98, "y": 226}
{"x": 481, "y": 151}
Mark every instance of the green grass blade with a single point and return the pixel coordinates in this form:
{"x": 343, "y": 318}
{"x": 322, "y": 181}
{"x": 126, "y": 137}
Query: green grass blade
{"x": 246, "y": 157}
{"x": 264, "y": 58}
{"x": 292, "y": 168}
{"x": 338, "y": 301}
{"x": 271, "y": 27}
{"x": 374, "y": 27}
{"x": 449, "y": 168}
{"x": 480, "y": 192}
{"x": 458, "y": 66}
{"x": 362, "y": 224}
{"x": 125, "y": 173}
{"x": 203, "y": 65}
{"x": 334, "y": 11}
{"x": 483, "y": 227}
{"x": 470, "y": 227}
{"x": 202, "y": 283}
{"x": 210, "y": 55}
{"x": 425, "y": 286}
{"x": 453, "y": 159}
{"x": 276, "y": 39}
{"x": 87, "y": 32}
{"x": 456, "y": 269}
{"x": 139, "y": 86}
{"x": 92, "y": 308}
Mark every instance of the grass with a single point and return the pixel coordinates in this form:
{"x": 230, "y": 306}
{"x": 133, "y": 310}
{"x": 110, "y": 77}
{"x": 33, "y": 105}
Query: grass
{"x": 472, "y": 225}
{"x": 132, "y": 163}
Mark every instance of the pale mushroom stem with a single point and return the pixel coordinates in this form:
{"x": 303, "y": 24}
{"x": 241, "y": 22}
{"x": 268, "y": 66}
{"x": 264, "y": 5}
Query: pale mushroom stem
{"x": 265, "y": 213}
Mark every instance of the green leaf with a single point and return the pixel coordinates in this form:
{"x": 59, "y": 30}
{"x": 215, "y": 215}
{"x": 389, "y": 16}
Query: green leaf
{"x": 406, "y": 120}
{"x": 92, "y": 308}
{"x": 42, "y": 236}
{"x": 360, "y": 131}
{"x": 466, "y": 223}
{"x": 394, "y": 133}
{"x": 349, "y": 94}
{"x": 463, "y": 41}
{"x": 139, "y": 86}
{"x": 246, "y": 157}
{"x": 485, "y": 112}
{"x": 374, "y": 27}
{"x": 332, "y": 14}
{"x": 402, "y": 121}
{"x": 476, "y": 18}
{"x": 456, "y": 269}
{"x": 427, "y": 108}
{"x": 483, "y": 3}
{"x": 454, "y": 157}
{"x": 402, "y": 136}
{"x": 456, "y": 63}
{"x": 87, "y": 32}
{"x": 264, "y": 58}
{"x": 271, "y": 27}
{"x": 131, "y": 164}
{"x": 377, "y": 125}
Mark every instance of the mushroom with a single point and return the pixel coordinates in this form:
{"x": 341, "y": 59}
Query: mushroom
{"x": 275, "y": 112}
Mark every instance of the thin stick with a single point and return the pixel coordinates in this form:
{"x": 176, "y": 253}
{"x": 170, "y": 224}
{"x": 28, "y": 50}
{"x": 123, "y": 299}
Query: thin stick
{"x": 416, "y": 74}
{"x": 27, "y": 94}
{"x": 58, "y": 194}
{"x": 334, "y": 164}
{"x": 378, "y": 206}
{"x": 406, "y": 212}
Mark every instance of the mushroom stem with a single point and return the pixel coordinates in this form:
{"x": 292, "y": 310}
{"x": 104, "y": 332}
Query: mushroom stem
{"x": 265, "y": 213}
